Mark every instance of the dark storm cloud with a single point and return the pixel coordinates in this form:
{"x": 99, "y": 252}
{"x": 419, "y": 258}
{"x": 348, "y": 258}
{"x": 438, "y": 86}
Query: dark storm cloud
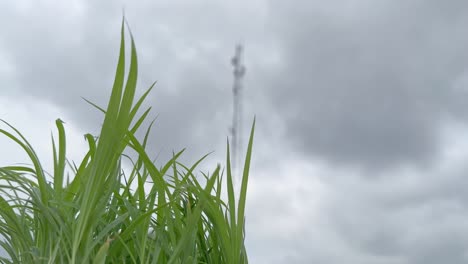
{"x": 367, "y": 83}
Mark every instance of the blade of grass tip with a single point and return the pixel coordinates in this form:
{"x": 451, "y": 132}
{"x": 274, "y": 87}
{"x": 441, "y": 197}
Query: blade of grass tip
{"x": 189, "y": 171}
{"x": 212, "y": 180}
{"x": 72, "y": 166}
{"x": 132, "y": 175}
{"x": 219, "y": 184}
{"x": 130, "y": 87}
{"x": 168, "y": 165}
{"x": 140, "y": 101}
{"x": 245, "y": 179}
{"x": 24, "y": 144}
{"x": 175, "y": 174}
{"x": 91, "y": 143}
{"x": 59, "y": 165}
{"x": 140, "y": 121}
{"x": 116, "y": 95}
{"x": 148, "y": 130}
{"x": 158, "y": 177}
{"x": 195, "y": 165}
{"x": 94, "y": 105}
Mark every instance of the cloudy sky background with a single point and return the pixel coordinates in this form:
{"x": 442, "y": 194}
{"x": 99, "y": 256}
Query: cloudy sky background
{"x": 362, "y": 110}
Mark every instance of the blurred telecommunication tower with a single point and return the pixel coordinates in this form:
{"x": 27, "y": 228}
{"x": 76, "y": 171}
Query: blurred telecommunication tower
{"x": 236, "y": 128}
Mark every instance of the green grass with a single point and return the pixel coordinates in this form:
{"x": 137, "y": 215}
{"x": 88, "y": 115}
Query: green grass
{"x": 100, "y": 214}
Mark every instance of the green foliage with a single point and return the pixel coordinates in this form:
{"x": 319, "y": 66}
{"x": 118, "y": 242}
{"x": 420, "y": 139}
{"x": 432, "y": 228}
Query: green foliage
{"x": 103, "y": 215}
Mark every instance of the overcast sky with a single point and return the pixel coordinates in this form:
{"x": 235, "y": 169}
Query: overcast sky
{"x": 361, "y": 148}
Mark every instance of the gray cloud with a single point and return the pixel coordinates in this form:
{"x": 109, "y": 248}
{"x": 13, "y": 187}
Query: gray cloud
{"x": 61, "y": 59}
{"x": 428, "y": 231}
{"x": 369, "y": 86}
{"x": 360, "y": 91}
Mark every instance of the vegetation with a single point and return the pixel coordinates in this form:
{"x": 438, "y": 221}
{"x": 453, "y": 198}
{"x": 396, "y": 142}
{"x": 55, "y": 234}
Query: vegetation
{"x": 103, "y": 215}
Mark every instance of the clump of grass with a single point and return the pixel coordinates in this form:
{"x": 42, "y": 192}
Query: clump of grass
{"x": 102, "y": 215}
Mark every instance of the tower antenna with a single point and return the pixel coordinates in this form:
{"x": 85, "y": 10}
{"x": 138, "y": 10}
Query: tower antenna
{"x": 236, "y": 129}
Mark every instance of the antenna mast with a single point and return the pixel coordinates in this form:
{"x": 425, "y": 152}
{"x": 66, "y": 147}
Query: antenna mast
{"x": 236, "y": 129}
